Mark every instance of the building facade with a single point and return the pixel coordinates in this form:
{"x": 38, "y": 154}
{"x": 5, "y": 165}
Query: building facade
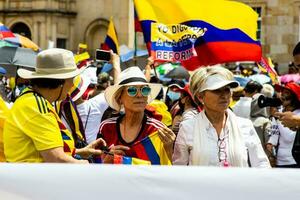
{"x": 278, "y": 28}
{"x": 65, "y": 23}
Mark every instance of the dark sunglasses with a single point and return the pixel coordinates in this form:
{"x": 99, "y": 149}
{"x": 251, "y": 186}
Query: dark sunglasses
{"x": 133, "y": 90}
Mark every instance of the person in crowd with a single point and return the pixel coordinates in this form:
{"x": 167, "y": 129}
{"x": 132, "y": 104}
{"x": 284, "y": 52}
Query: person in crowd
{"x": 3, "y": 114}
{"x": 188, "y": 108}
{"x": 216, "y": 136}
{"x": 260, "y": 117}
{"x": 33, "y": 132}
{"x": 289, "y": 119}
{"x": 131, "y": 94}
{"x": 173, "y": 95}
{"x": 82, "y": 57}
{"x": 242, "y": 107}
{"x": 82, "y": 117}
{"x": 283, "y": 137}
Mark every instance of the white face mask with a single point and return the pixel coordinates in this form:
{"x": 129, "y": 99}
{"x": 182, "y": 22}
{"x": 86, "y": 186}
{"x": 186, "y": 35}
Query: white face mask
{"x": 173, "y": 95}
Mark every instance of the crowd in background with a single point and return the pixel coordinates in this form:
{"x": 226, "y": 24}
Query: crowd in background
{"x": 72, "y": 112}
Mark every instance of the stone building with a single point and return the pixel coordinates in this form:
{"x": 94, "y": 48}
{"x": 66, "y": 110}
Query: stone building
{"x": 279, "y": 28}
{"x": 68, "y": 22}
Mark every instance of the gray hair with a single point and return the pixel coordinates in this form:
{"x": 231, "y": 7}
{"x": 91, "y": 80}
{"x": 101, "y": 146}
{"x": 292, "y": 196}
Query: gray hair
{"x": 201, "y": 75}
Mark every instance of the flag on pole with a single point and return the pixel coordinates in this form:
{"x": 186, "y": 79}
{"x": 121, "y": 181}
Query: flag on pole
{"x": 266, "y": 66}
{"x": 231, "y": 28}
{"x": 111, "y": 40}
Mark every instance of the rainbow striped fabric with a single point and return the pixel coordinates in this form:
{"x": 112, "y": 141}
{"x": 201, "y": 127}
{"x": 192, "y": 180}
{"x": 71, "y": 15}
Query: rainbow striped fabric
{"x": 231, "y": 28}
{"x": 5, "y": 32}
{"x": 111, "y": 40}
{"x": 152, "y": 148}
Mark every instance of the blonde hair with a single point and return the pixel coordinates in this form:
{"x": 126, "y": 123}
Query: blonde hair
{"x": 200, "y": 76}
{"x": 117, "y": 95}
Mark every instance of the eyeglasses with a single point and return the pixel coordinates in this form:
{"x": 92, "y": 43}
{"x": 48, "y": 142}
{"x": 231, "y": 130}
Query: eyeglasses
{"x": 133, "y": 90}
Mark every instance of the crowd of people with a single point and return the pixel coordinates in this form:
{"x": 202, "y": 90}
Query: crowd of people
{"x": 64, "y": 113}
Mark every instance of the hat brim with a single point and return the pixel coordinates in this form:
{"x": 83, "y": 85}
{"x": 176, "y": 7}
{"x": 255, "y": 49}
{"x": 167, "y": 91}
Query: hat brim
{"x": 82, "y": 89}
{"x": 27, "y": 74}
{"x": 231, "y": 84}
{"x": 110, "y": 93}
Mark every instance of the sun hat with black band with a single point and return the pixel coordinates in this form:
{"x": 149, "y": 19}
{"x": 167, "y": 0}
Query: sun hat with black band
{"x": 130, "y": 76}
{"x": 53, "y": 64}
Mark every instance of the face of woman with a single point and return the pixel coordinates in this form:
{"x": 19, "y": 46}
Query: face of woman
{"x": 286, "y": 97}
{"x": 66, "y": 88}
{"x": 217, "y": 100}
{"x": 134, "y": 98}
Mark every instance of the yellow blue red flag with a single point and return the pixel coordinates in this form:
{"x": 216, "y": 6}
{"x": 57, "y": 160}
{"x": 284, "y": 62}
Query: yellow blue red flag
{"x": 152, "y": 149}
{"x": 111, "y": 40}
{"x": 230, "y": 28}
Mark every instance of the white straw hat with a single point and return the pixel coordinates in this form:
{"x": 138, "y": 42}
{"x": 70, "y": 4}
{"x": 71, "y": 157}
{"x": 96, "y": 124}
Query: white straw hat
{"x": 217, "y": 81}
{"x": 130, "y": 76}
{"x": 53, "y": 64}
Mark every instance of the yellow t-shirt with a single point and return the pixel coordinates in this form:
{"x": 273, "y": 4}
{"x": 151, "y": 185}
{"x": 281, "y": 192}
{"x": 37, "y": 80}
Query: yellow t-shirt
{"x": 30, "y": 127}
{"x": 3, "y": 113}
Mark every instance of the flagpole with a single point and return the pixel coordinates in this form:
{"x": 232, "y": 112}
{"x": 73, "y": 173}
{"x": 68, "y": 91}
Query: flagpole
{"x": 135, "y": 49}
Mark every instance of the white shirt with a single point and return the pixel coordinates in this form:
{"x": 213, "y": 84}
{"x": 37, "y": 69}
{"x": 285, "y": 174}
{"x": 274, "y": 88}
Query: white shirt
{"x": 184, "y": 143}
{"x": 92, "y": 112}
{"x": 242, "y": 108}
{"x": 286, "y": 139}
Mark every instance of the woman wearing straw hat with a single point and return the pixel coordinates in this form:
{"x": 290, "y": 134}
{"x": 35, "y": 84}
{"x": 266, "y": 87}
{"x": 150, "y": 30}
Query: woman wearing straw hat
{"x": 216, "y": 136}
{"x": 131, "y": 94}
{"x": 33, "y": 131}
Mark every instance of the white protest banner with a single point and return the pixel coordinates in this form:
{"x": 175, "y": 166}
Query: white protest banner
{"x": 174, "y": 42}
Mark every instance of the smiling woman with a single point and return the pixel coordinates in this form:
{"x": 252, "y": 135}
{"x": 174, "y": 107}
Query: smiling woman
{"x": 131, "y": 94}
{"x": 219, "y": 138}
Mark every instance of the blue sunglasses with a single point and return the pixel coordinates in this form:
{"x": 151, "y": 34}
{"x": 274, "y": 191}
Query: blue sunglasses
{"x": 133, "y": 90}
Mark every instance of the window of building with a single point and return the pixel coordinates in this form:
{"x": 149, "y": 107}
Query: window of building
{"x": 258, "y": 32}
{"x": 61, "y": 43}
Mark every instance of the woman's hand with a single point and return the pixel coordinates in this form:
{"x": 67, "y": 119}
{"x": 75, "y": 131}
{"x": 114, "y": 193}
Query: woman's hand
{"x": 289, "y": 119}
{"x": 167, "y": 136}
{"x": 93, "y": 149}
{"x": 108, "y": 158}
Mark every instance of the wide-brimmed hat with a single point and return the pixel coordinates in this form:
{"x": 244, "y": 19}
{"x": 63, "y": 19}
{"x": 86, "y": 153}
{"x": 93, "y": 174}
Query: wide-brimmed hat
{"x": 53, "y": 64}
{"x": 130, "y": 76}
{"x": 81, "y": 83}
{"x": 217, "y": 81}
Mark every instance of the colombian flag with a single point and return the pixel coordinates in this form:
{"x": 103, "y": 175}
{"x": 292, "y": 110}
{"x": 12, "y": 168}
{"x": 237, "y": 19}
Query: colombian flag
{"x": 5, "y": 32}
{"x": 231, "y": 28}
{"x": 152, "y": 148}
{"x": 118, "y": 159}
{"x": 111, "y": 40}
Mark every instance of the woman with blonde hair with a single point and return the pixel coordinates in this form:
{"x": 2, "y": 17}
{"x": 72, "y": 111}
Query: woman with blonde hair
{"x": 130, "y": 95}
{"x": 216, "y": 136}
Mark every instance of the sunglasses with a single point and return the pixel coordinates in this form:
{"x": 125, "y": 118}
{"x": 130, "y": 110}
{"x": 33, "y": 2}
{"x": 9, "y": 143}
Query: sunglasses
{"x": 133, "y": 90}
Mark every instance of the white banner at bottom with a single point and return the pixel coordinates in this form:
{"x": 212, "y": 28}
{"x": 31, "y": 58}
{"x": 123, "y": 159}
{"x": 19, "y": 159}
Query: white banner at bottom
{"x": 72, "y": 182}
